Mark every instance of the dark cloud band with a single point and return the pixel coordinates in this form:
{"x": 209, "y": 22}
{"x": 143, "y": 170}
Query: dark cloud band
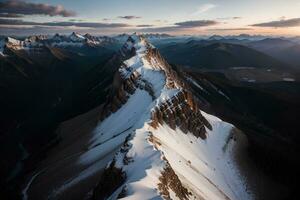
{"x": 10, "y": 15}
{"x": 64, "y": 24}
{"x": 129, "y": 17}
{"x": 294, "y": 22}
{"x": 230, "y": 29}
{"x": 198, "y": 23}
{"x": 179, "y": 26}
{"x": 26, "y": 8}
{"x": 144, "y": 25}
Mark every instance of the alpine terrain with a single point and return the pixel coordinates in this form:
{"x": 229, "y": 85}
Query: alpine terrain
{"x": 131, "y": 100}
{"x": 153, "y": 141}
{"x": 169, "y": 147}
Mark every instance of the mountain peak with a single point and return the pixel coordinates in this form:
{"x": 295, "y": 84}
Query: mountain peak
{"x": 164, "y": 125}
{"x": 216, "y": 37}
{"x": 147, "y": 58}
{"x": 76, "y": 37}
{"x": 136, "y": 37}
{"x": 13, "y": 40}
{"x": 13, "y": 43}
{"x": 136, "y": 43}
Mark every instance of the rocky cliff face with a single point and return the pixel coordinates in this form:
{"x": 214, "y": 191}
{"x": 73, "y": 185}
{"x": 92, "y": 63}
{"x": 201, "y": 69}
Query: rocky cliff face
{"x": 179, "y": 111}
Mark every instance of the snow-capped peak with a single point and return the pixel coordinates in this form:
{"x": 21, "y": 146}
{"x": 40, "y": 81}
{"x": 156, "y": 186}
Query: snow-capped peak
{"x": 13, "y": 41}
{"x": 76, "y": 37}
{"x": 138, "y": 42}
{"x": 14, "y": 44}
{"x": 171, "y": 149}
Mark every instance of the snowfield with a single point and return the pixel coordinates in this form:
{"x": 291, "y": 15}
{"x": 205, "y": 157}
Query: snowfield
{"x": 205, "y": 166}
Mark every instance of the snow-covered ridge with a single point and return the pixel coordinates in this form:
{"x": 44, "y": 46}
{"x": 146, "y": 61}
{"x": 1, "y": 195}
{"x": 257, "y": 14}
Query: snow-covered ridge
{"x": 72, "y": 40}
{"x": 160, "y": 156}
{"x": 76, "y": 37}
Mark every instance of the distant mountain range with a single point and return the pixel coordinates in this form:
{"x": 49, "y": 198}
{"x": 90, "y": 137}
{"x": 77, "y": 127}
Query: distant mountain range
{"x": 57, "y": 40}
{"x": 283, "y": 49}
{"x": 212, "y": 54}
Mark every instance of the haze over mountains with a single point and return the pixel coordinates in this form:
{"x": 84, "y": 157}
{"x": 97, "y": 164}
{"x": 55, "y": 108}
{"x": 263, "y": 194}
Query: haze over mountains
{"x": 147, "y": 132}
{"x": 282, "y": 49}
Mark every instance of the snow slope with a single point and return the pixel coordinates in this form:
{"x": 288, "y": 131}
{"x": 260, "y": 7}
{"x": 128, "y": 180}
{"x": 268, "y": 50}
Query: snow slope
{"x": 205, "y": 167}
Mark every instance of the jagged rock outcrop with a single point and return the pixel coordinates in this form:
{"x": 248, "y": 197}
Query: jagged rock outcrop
{"x": 121, "y": 88}
{"x": 170, "y": 181}
{"x": 155, "y": 59}
{"x": 180, "y": 111}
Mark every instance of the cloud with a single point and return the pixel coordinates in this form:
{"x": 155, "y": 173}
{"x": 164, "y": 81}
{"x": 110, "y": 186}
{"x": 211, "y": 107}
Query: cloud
{"x": 10, "y": 15}
{"x": 229, "y": 18}
{"x": 25, "y": 31}
{"x": 163, "y": 29}
{"x": 15, "y": 22}
{"x": 106, "y": 19}
{"x": 144, "y": 25}
{"x": 76, "y": 20}
{"x": 294, "y": 22}
{"x": 230, "y": 29}
{"x": 10, "y": 22}
{"x": 180, "y": 26}
{"x": 72, "y": 24}
{"x": 128, "y": 17}
{"x": 27, "y": 8}
{"x": 87, "y": 24}
{"x": 204, "y": 8}
{"x": 197, "y": 23}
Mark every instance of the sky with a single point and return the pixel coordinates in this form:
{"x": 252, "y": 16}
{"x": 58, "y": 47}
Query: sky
{"x": 176, "y": 17}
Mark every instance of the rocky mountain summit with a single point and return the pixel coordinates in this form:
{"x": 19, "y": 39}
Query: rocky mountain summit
{"x": 169, "y": 148}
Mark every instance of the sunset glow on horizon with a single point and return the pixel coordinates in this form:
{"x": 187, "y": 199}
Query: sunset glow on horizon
{"x": 193, "y": 17}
